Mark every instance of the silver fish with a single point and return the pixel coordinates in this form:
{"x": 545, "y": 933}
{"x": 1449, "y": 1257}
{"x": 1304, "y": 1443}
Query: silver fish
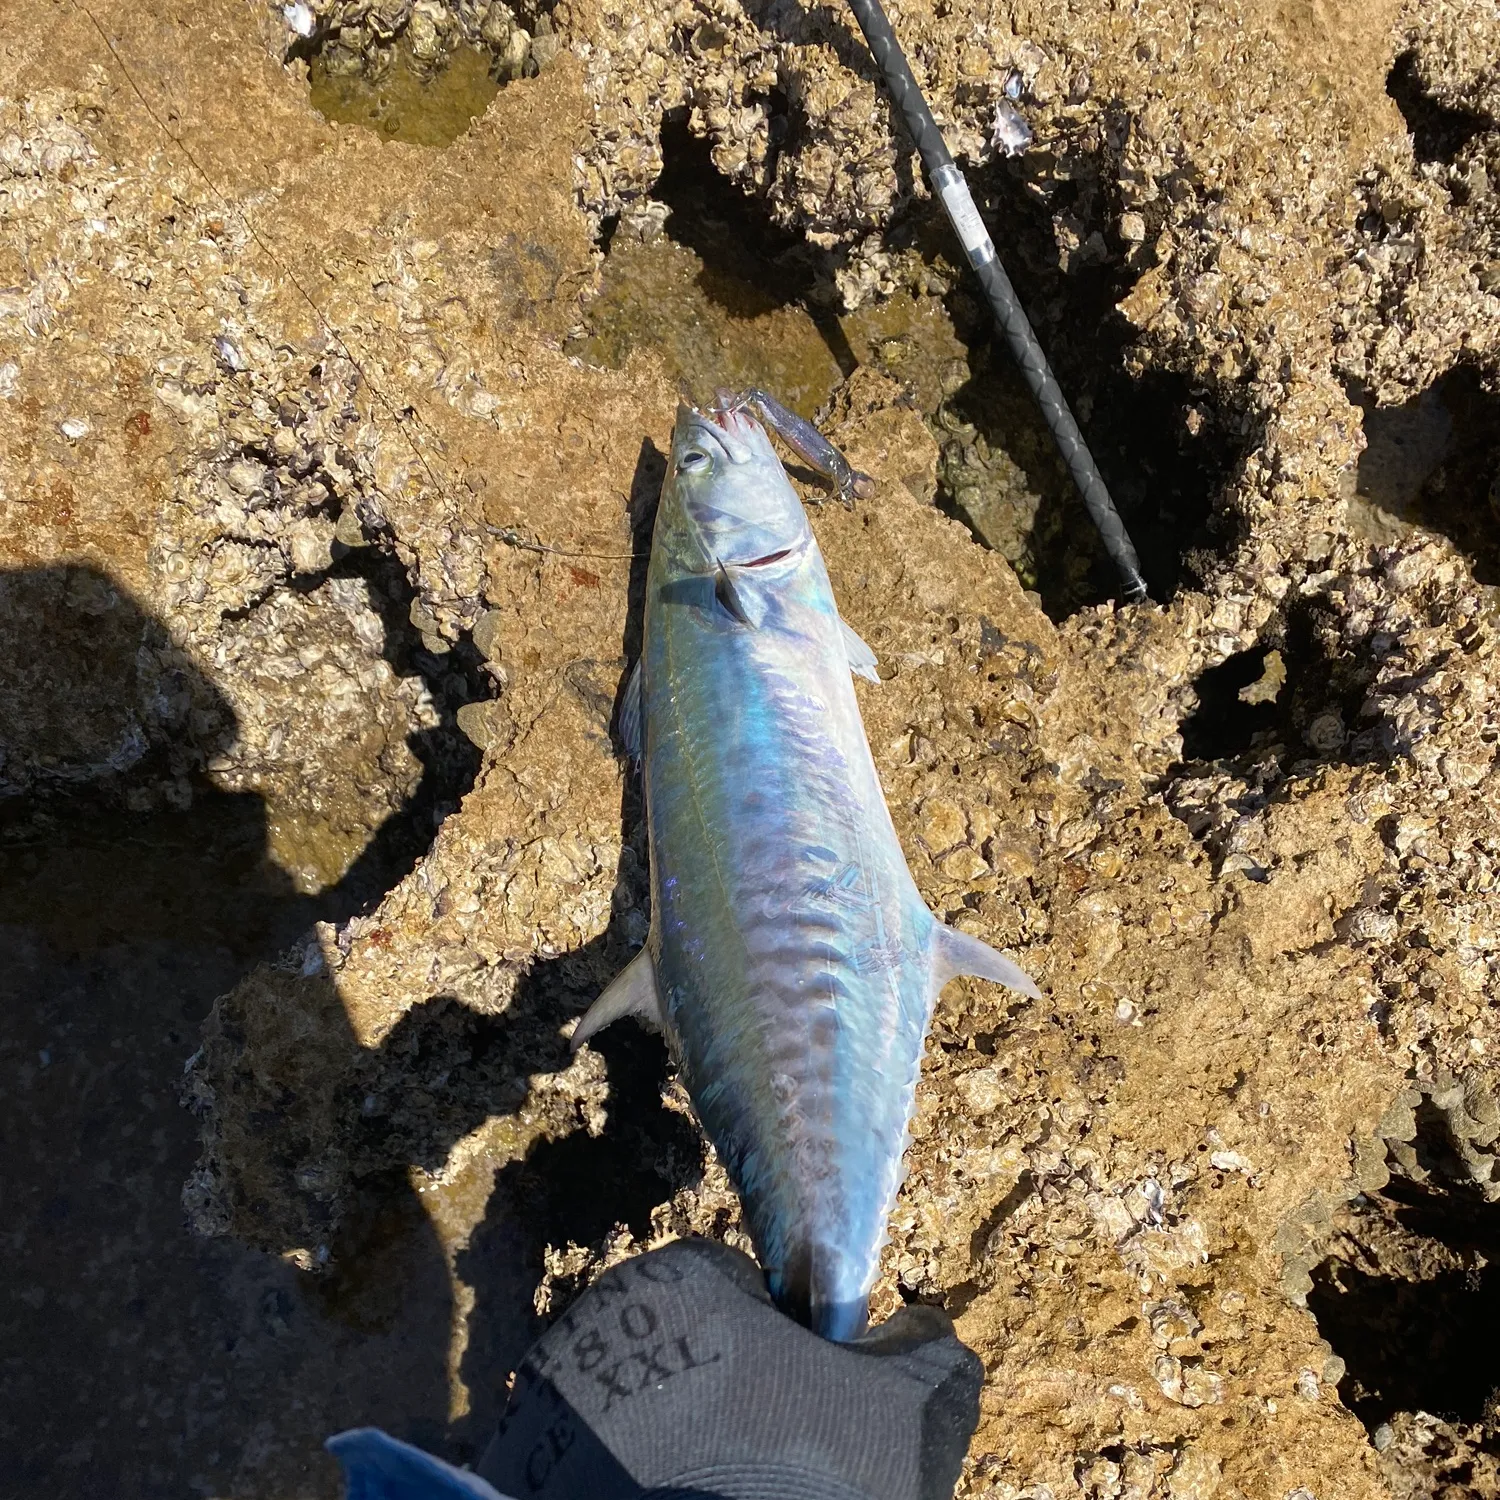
{"x": 791, "y": 962}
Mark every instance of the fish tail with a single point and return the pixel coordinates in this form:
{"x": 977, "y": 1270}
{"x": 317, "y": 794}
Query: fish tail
{"x": 812, "y": 1287}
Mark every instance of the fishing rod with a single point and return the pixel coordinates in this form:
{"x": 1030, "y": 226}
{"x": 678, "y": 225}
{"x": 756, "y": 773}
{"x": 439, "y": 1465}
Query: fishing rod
{"x": 948, "y": 182}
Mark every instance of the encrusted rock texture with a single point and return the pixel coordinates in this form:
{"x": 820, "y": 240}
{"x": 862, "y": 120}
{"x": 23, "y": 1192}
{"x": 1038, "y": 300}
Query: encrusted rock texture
{"x": 275, "y": 394}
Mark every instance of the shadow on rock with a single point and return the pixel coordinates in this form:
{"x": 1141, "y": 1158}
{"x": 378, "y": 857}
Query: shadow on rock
{"x": 1411, "y": 1303}
{"x": 142, "y": 1360}
{"x": 1168, "y": 447}
{"x": 311, "y": 1137}
{"x": 571, "y": 1190}
{"x": 148, "y": 1360}
{"x": 1432, "y": 462}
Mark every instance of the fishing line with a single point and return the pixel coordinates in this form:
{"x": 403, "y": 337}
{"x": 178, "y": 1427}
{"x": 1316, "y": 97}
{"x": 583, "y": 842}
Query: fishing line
{"x": 958, "y": 203}
{"x": 513, "y": 538}
{"x": 506, "y": 534}
{"x": 243, "y": 218}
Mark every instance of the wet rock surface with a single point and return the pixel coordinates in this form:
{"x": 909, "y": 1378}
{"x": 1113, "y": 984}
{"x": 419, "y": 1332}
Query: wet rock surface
{"x": 327, "y": 465}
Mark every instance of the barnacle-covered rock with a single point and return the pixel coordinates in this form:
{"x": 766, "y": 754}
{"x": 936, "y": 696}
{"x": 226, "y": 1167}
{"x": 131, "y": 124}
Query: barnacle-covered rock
{"x": 307, "y": 482}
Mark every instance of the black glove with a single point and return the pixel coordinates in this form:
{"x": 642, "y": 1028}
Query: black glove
{"x": 674, "y": 1376}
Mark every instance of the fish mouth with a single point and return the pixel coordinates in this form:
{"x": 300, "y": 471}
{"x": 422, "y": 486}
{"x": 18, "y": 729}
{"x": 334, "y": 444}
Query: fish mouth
{"x": 730, "y": 428}
{"x": 708, "y": 430}
{"x": 731, "y": 419}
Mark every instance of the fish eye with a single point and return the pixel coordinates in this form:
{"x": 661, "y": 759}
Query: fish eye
{"x": 694, "y": 460}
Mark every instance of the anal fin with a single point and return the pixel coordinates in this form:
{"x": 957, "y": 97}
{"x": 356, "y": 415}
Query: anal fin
{"x": 632, "y": 992}
{"x": 955, "y": 953}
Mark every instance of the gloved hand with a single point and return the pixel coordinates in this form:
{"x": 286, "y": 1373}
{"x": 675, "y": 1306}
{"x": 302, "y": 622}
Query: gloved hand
{"x": 674, "y": 1378}
{"x": 674, "y": 1375}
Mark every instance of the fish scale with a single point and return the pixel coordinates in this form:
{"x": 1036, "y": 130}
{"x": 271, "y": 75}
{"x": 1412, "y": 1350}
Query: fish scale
{"x": 791, "y": 961}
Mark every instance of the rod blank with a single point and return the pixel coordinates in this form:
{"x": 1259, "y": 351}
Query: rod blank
{"x": 948, "y": 182}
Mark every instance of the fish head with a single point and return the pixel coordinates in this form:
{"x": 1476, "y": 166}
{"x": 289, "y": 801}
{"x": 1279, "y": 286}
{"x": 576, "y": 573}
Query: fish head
{"x": 727, "y": 499}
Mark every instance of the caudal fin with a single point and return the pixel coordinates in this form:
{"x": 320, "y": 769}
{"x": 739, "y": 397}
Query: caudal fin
{"x": 955, "y": 953}
{"x": 809, "y": 1287}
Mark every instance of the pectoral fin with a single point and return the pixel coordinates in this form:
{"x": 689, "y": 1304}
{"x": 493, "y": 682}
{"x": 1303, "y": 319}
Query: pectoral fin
{"x": 632, "y": 993}
{"x": 731, "y": 600}
{"x": 861, "y": 658}
{"x": 955, "y": 953}
{"x": 631, "y": 723}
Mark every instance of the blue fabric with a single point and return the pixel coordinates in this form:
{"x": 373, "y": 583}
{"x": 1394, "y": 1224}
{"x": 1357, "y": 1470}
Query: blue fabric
{"x": 378, "y": 1467}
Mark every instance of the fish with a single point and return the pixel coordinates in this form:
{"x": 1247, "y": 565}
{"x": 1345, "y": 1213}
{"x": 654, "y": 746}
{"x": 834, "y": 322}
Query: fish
{"x": 790, "y": 962}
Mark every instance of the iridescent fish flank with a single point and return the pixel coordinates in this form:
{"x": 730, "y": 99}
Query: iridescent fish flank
{"x": 791, "y": 962}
